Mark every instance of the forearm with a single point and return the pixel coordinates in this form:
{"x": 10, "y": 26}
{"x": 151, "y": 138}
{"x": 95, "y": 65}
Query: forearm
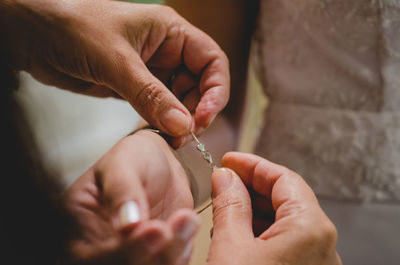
{"x": 230, "y": 23}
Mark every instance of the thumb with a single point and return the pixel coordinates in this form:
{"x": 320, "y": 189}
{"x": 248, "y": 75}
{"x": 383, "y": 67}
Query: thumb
{"x": 151, "y": 98}
{"x": 126, "y": 199}
{"x": 231, "y": 206}
{"x": 122, "y": 190}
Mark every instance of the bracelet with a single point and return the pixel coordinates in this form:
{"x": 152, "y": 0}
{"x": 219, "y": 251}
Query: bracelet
{"x": 194, "y": 189}
{"x": 147, "y": 128}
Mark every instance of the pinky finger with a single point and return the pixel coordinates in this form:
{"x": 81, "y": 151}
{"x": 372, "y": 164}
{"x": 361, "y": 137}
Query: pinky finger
{"x": 184, "y": 259}
{"x": 184, "y": 225}
{"x": 148, "y": 242}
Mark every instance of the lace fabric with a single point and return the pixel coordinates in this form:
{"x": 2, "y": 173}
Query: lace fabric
{"x": 331, "y": 69}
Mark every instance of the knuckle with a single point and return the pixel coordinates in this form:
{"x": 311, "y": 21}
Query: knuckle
{"x": 168, "y": 10}
{"x": 329, "y": 234}
{"x": 323, "y": 235}
{"x": 162, "y": 9}
{"x": 283, "y": 171}
{"x": 149, "y": 98}
{"x": 225, "y": 58}
{"x": 224, "y": 206}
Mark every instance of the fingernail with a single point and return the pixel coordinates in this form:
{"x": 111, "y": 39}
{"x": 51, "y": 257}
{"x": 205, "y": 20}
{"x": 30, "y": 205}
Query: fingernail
{"x": 222, "y": 180}
{"x": 128, "y": 214}
{"x": 211, "y": 120}
{"x": 187, "y": 252}
{"x": 152, "y": 242}
{"x": 176, "y": 122}
{"x": 188, "y": 228}
{"x": 185, "y": 140}
{"x": 200, "y": 130}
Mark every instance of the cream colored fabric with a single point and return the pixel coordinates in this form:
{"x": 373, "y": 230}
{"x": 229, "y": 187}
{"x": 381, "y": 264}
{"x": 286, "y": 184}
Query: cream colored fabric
{"x": 331, "y": 70}
{"x": 73, "y": 131}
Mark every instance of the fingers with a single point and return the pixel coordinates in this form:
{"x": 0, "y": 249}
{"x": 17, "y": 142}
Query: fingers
{"x": 119, "y": 177}
{"x": 183, "y": 45}
{"x": 147, "y": 243}
{"x": 184, "y": 259}
{"x": 269, "y": 179}
{"x": 149, "y": 96}
{"x": 157, "y": 242}
{"x": 184, "y": 224}
{"x": 126, "y": 200}
{"x": 126, "y": 177}
{"x": 168, "y": 54}
{"x": 295, "y": 204}
{"x": 203, "y": 57}
{"x": 231, "y": 206}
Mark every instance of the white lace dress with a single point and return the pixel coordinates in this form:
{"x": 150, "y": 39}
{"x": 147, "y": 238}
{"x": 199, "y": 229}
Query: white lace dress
{"x": 331, "y": 69}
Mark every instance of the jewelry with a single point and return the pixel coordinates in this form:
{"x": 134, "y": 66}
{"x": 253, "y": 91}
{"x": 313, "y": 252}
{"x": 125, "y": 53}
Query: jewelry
{"x": 206, "y": 154}
{"x": 200, "y": 147}
{"x": 207, "y": 157}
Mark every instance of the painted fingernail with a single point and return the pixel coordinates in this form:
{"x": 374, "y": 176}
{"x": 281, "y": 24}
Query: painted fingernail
{"x": 128, "y": 214}
{"x": 176, "y": 122}
{"x": 188, "y": 228}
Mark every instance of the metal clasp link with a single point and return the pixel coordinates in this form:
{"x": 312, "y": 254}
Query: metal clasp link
{"x": 206, "y": 154}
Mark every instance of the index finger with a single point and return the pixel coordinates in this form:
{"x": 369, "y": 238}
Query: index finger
{"x": 276, "y": 182}
{"x": 203, "y": 57}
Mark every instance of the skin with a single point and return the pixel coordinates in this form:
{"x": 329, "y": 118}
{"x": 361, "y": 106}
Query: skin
{"x": 146, "y": 54}
{"x": 125, "y": 174}
{"x": 267, "y": 214}
{"x": 284, "y": 223}
{"x": 230, "y": 24}
{"x": 173, "y": 74}
{"x": 159, "y": 62}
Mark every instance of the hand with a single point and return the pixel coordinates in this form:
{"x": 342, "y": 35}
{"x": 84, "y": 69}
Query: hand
{"x": 279, "y": 222}
{"x": 105, "y": 48}
{"x": 132, "y": 207}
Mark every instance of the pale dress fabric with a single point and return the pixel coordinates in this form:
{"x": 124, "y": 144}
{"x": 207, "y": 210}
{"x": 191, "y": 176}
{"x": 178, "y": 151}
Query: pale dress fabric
{"x": 73, "y": 131}
{"x": 331, "y": 70}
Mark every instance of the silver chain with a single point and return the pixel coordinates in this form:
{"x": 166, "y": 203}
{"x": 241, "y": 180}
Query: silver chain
{"x": 205, "y": 153}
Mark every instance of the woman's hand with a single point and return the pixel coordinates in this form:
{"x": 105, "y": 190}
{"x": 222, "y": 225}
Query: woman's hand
{"x": 278, "y": 222}
{"x": 147, "y": 54}
{"x": 132, "y": 207}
